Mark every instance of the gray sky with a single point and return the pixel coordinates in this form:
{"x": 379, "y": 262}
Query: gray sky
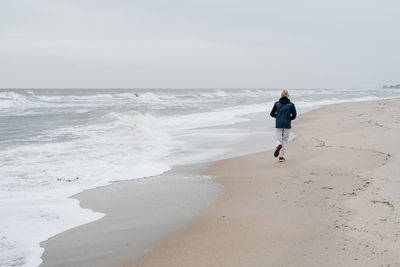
{"x": 199, "y": 44}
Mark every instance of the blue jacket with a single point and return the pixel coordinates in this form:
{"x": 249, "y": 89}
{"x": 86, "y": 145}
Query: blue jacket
{"x": 284, "y": 111}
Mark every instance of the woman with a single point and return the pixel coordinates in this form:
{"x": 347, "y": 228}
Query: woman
{"x": 284, "y": 112}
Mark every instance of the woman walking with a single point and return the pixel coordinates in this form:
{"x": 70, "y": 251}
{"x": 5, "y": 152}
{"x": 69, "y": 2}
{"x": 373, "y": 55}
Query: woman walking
{"x": 284, "y": 112}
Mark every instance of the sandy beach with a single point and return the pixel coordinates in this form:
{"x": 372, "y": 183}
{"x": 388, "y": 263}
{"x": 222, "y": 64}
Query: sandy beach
{"x": 142, "y": 133}
{"x": 334, "y": 202}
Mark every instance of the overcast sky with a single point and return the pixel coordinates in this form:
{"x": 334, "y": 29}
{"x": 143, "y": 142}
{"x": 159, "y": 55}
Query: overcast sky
{"x": 199, "y": 44}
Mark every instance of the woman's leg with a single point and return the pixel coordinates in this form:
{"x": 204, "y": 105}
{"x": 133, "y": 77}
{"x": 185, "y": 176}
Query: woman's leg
{"x": 285, "y": 140}
{"x": 278, "y": 141}
{"x": 278, "y": 136}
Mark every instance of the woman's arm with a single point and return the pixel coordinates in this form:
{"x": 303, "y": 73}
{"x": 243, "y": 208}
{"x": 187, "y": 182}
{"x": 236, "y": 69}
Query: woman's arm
{"x": 293, "y": 113}
{"x": 273, "y": 111}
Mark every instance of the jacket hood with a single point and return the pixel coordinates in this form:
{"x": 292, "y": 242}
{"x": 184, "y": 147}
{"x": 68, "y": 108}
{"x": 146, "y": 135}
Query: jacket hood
{"x": 284, "y": 100}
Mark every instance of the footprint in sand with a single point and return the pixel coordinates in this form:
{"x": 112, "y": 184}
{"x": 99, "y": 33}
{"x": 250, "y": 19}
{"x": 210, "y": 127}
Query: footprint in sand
{"x": 326, "y": 187}
{"x": 349, "y": 194}
{"x": 383, "y": 202}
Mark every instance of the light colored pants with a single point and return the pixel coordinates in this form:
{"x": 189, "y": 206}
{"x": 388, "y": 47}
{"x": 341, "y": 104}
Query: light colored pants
{"x": 282, "y": 138}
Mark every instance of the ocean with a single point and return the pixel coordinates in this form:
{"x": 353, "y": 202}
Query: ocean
{"x": 55, "y": 143}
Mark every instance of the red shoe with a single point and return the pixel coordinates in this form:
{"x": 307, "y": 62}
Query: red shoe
{"x": 278, "y": 148}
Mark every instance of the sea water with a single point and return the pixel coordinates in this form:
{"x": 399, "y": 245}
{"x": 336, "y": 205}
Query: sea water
{"x": 56, "y": 143}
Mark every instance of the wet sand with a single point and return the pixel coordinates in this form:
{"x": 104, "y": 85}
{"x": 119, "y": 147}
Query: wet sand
{"x": 334, "y": 202}
{"x": 138, "y": 213}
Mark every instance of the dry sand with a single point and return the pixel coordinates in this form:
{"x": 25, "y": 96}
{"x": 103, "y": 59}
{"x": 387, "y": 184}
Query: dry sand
{"x": 334, "y": 202}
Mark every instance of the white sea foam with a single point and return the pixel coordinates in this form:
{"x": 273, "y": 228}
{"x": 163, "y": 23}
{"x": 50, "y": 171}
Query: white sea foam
{"x": 12, "y": 99}
{"x": 207, "y": 119}
{"x": 148, "y": 97}
{"x": 34, "y": 199}
{"x": 336, "y": 100}
{"x": 219, "y": 93}
{"x": 21, "y": 104}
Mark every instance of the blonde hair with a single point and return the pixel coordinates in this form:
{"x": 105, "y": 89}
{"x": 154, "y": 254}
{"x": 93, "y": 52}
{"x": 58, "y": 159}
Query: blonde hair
{"x": 285, "y": 93}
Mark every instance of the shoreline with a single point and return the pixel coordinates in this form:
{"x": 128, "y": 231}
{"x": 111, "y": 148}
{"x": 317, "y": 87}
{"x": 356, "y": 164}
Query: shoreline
{"x": 314, "y": 209}
{"x": 134, "y": 218}
{"x": 69, "y": 240}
